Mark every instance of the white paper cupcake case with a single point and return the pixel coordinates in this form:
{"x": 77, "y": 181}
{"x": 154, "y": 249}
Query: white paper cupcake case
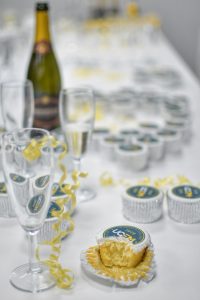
{"x": 109, "y": 148}
{"x": 183, "y": 211}
{"x": 97, "y": 137}
{"x": 89, "y": 270}
{"x": 6, "y": 209}
{"x": 172, "y": 144}
{"x": 144, "y": 212}
{"x": 156, "y": 150}
{"x": 135, "y": 160}
{"x": 47, "y": 233}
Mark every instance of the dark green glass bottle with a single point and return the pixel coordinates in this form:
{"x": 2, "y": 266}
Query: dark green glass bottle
{"x": 44, "y": 73}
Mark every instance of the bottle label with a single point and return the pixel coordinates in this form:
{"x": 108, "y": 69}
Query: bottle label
{"x": 134, "y": 234}
{"x": 46, "y": 112}
{"x": 143, "y": 192}
{"x": 42, "y": 47}
{"x": 187, "y": 191}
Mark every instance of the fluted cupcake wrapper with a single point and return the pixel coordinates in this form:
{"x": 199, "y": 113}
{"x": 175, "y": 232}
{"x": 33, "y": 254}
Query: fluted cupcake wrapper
{"x": 144, "y": 272}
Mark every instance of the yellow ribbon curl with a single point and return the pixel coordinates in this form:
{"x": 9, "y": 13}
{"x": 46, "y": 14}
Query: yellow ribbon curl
{"x": 106, "y": 179}
{"x": 63, "y": 276}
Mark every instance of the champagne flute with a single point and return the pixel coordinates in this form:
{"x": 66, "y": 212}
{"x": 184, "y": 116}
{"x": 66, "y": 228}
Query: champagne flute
{"x": 17, "y": 103}
{"x": 28, "y": 173}
{"x": 17, "y": 106}
{"x": 77, "y": 112}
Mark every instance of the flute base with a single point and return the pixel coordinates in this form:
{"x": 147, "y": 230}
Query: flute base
{"x": 37, "y": 281}
{"x": 85, "y": 194}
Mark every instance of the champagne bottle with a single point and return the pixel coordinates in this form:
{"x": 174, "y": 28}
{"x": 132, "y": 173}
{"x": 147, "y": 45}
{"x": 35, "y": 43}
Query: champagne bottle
{"x": 44, "y": 73}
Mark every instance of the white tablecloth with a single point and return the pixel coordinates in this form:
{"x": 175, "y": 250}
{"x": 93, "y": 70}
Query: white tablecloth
{"x": 177, "y": 246}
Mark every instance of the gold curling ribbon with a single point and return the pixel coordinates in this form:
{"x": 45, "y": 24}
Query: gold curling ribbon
{"x": 106, "y": 179}
{"x": 145, "y": 181}
{"x": 63, "y": 276}
{"x": 183, "y": 180}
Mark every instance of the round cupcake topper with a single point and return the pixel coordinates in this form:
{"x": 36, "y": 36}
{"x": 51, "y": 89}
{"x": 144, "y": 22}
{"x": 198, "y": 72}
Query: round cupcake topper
{"x": 133, "y": 234}
{"x": 149, "y": 125}
{"x": 56, "y": 191}
{"x": 143, "y": 192}
{"x": 59, "y": 149}
{"x": 101, "y": 131}
{"x": 175, "y": 123}
{"x": 187, "y": 192}
{"x": 129, "y": 132}
{"x": 167, "y": 132}
{"x": 114, "y": 140}
{"x": 35, "y": 204}
{"x": 41, "y": 182}
{"x": 3, "y": 189}
{"x": 17, "y": 178}
{"x": 147, "y": 138}
{"x": 53, "y": 207}
{"x": 130, "y": 148}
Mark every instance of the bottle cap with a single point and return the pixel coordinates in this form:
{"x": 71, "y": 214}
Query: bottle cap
{"x": 42, "y": 6}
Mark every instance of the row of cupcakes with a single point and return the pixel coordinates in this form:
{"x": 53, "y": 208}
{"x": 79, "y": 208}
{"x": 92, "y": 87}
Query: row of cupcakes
{"x": 144, "y": 204}
{"x": 182, "y": 127}
{"x": 135, "y": 148}
{"x": 128, "y": 101}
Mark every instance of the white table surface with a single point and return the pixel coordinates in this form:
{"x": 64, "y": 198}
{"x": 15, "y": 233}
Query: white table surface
{"x": 177, "y": 246}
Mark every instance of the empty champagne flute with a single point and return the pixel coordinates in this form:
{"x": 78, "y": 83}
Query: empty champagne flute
{"x": 77, "y": 112}
{"x": 17, "y": 101}
{"x": 28, "y": 173}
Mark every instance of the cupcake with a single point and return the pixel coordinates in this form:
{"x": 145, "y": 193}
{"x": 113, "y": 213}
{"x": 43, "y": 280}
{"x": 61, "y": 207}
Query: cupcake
{"x": 123, "y": 255}
{"x": 171, "y": 140}
{"x": 109, "y": 145}
{"x": 122, "y": 246}
{"x": 183, "y": 127}
{"x": 184, "y": 203}
{"x": 148, "y": 127}
{"x": 155, "y": 145}
{"x": 133, "y": 156}
{"x": 97, "y": 135}
{"x": 129, "y": 134}
{"x": 142, "y": 204}
{"x": 177, "y": 107}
